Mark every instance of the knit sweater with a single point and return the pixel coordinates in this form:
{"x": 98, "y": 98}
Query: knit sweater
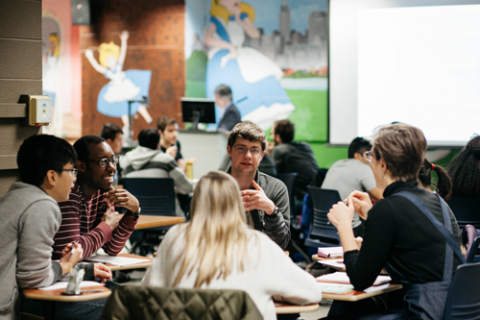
{"x": 29, "y": 219}
{"x": 268, "y": 272}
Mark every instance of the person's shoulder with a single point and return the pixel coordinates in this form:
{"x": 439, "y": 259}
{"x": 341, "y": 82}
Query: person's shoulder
{"x": 269, "y": 183}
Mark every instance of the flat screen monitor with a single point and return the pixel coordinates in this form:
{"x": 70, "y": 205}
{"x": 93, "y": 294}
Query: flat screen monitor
{"x": 197, "y": 110}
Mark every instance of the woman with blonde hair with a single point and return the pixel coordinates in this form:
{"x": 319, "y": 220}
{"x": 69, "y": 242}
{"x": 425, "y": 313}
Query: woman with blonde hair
{"x": 217, "y": 250}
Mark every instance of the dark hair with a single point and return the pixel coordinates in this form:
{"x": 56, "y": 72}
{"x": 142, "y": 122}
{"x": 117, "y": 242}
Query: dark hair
{"x": 82, "y": 146}
{"x": 149, "y": 138}
{"x": 444, "y": 184}
{"x": 358, "y": 145}
{"x": 224, "y": 91}
{"x": 249, "y": 131}
{"x": 109, "y": 131}
{"x": 163, "y": 122}
{"x": 464, "y": 170}
{"x": 403, "y": 148}
{"x": 286, "y": 130}
{"x": 39, "y": 154}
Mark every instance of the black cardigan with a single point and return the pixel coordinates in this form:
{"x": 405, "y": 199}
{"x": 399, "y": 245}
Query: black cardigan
{"x": 397, "y": 232}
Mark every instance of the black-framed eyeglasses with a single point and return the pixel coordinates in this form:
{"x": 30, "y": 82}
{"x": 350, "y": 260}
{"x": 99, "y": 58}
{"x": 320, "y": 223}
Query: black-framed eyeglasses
{"x": 369, "y": 156}
{"x": 243, "y": 150}
{"x": 73, "y": 171}
{"x": 105, "y": 161}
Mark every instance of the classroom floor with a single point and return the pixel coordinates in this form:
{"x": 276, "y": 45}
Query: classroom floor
{"x": 137, "y": 276}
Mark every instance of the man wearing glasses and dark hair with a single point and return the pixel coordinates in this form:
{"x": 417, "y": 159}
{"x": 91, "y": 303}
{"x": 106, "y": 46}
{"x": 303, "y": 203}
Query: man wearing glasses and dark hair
{"x": 265, "y": 198}
{"x": 89, "y": 216}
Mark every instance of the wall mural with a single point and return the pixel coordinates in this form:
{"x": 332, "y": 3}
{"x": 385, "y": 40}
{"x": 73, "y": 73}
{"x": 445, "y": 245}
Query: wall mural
{"x": 124, "y": 86}
{"x": 272, "y": 53}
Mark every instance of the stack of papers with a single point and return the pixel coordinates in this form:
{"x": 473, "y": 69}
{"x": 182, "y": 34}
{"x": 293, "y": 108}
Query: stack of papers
{"x": 117, "y": 261}
{"x": 331, "y": 252}
{"x": 63, "y": 285}
{"x": 342, "y": 278}
{"x": 337, "y": 264}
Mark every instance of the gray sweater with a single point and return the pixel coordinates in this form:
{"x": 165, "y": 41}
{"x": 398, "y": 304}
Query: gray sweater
{"x": 29, "y": 219}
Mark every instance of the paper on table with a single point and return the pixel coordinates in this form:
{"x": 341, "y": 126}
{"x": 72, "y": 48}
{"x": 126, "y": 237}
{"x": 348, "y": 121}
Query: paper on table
{"x": 335, "y": 288}
{"x": 341, "y": 277}
{"x": 333, "y": 263}
{"x": 118, "y": 261}
{"x": 377, "y": 288}
{"x": 63, "y": 285}
{"x": 330, "y": 252}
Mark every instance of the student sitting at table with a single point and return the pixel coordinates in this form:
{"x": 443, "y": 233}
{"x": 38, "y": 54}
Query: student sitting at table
{"x": 88, "y": 217}
{"x": 265, "y": 198}
{"x": 217, "y": 250}
{"x": 30, "y": 218}
{"x": 402, "y": 231}
{"x": 168, "y": 130}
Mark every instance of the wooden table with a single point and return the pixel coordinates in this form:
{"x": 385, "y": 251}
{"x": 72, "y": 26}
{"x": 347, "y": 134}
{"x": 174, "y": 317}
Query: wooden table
{"x": 360, "y": 295}
{"x": 139, "y": 265}
{"x": 284, "y": 308}
{"x": 145, "y": 222}
{"x": 55, "y": 295}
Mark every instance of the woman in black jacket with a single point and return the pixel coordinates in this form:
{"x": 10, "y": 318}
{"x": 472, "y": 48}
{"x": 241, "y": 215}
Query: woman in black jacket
{"x": 400, "y": 231}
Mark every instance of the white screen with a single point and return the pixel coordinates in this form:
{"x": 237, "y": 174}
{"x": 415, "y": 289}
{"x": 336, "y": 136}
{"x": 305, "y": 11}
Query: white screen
{"x": 414, "y": 64}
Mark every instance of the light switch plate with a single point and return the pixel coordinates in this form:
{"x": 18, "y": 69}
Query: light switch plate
{"x": 40, "y": 111}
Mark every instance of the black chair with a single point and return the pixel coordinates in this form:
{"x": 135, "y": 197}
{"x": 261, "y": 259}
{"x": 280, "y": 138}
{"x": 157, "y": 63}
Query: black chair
{"x": 466, "y": 210}
{"x": 157, "y": 198}
{"x": 463, "y": 300}
{"x": 322, "y": 233}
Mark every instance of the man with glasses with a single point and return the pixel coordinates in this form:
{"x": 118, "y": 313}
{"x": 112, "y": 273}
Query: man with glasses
{"x": 89, "y": 216}
{"x": 265, "y": 198}
{"x": 352, "y": 174}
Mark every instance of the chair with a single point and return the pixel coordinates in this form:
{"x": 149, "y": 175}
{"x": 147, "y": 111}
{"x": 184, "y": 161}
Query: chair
{"x": 466, "y": 210}
{"x": 322, "y": 233}
{"x": 157, "y": 198}
{"x": 136, "y": 302}
{"x": 463, "y": 299}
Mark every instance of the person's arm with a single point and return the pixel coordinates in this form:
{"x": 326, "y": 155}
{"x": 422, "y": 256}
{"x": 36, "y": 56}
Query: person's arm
{"x": 211, "y": 41}
{"x": 277, "y": 226}
{"x": 98, "y": 67}
{"x": 70, "y": 231}
{"x": 123, "y": 47}
{"x": 37, "y": 227}
{"x": 248, "y": 27}
{"x": 180, "y": 180}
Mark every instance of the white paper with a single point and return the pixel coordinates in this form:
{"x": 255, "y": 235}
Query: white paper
{"x": 338, "y": 263}
{"x": 330, "y": 252}
{"x": 117, "y": 261}
{"x": 335, "y": 288}
{"x": 377, "y": 288}
{"x": 343, "y": 278}
{"x": 63, "y": 285}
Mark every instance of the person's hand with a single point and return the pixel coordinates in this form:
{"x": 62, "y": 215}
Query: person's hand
{"x": 89, "y": 53}
{"x": 359, "y": 241}
{"x": 341, "y": 215}
{"x": 124, "y": 35}
{"x": 269, "y": 149}
{"x": 172, "y": 151}
{"x": 233, "y": 52}
{"x": 71, "y": 259}
{"x": 361, "y": 203}
{"x": 66, "y": 250}
{"x": 111, "y": 217}
{"x": 257, "y": 200}
{"x": 123, "y": 198}
{"x": 102, "y": 272}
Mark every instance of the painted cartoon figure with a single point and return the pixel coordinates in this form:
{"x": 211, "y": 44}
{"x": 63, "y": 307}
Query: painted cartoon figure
{"x": 123, "y": 86}
{"x": 50, "y": 83}
{"x": 253, "y": 77}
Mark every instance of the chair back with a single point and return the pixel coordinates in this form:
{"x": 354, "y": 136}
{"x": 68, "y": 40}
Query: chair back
{"x": 463, "y": 299}
{"x": 155, "y": 195}
{"x": 289, "y": 180}
{"x": 321, "y": 229}
{"x": 138, "y": 302}
{"x": 466, "y": 210}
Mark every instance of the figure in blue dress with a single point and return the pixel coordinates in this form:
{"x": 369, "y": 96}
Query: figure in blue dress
{"x": 253, "y": 77}
{"x": 123, "y": 86}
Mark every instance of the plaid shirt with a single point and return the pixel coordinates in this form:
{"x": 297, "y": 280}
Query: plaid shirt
{"x": 81, "y": 222}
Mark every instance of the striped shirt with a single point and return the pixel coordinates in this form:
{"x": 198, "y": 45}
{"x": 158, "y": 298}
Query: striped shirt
{"x": 81, "y": 222}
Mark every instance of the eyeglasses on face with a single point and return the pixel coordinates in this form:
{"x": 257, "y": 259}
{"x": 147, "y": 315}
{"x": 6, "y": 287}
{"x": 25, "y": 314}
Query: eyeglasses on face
{"x": 105, "y": 161}
{"x": 369, "y": 156}
{"x": 73, "y": 171}
{"x": 243, "y": 150}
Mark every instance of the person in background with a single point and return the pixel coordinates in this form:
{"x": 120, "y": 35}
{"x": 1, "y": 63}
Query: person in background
{"x": 290, "y": 156}
{"x": 464, "y": 170}
{"x": 145, "y": 161}
{"x": 168, "y": 130}
{"x": 403, "y": 232}
{"x": 217, "y": 250}
{"x": 265, "y": 198}
{"x": 443, "y": 186}
{"x": 353, "y": 174}
{"x": 114, "y": 137}
{"x": 89, "y": 216}
{"x": 231, "y": 115}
